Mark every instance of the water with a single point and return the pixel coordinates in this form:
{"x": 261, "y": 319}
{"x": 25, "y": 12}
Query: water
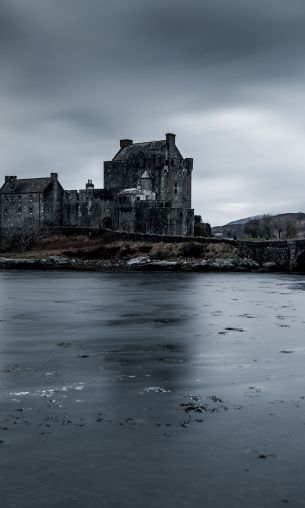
{"x": 151, "y": 390}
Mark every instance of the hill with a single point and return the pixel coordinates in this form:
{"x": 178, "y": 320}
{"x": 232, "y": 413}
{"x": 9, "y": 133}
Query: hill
{"x": 281, "y": 226}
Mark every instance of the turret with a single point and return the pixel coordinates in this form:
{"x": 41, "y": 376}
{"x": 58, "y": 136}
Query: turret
{"x": 146, "y": 181}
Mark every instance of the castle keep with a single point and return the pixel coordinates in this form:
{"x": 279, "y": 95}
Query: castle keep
{"x": 147, "y": 189}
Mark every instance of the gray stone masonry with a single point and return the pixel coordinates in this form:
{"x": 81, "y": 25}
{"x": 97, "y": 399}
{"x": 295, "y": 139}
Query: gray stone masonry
{"x": 158, "y": 168}
{"x": 147, "y": 190}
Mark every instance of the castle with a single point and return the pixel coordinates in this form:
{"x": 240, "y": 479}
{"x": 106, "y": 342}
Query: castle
{"x": 147, "y": 189}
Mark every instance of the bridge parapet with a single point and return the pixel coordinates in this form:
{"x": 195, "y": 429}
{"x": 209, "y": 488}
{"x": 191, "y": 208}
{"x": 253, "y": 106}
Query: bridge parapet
{"x": 285, "y": 254}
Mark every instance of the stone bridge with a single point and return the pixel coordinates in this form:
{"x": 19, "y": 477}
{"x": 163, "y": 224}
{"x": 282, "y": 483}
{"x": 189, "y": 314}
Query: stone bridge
{"x": 286, "y": 254}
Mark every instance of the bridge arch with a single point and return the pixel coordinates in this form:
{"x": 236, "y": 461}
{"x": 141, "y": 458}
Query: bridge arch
{"x": 300, "y": 262}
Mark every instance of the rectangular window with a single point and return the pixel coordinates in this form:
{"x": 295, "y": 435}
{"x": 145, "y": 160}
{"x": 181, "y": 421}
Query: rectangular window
{"x": 5, "y": 199}
{"x": 5, "y": 211}
{"x": 31, "y": 197}
{"x": 19, "y": 199}
{"x": 31, "y": 211}
{"x": 19, "y": 211}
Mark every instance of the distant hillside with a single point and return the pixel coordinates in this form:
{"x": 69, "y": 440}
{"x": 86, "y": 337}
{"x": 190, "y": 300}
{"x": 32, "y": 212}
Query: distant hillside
{"x": 282, "y": 226}
{"x": 243, "y": 221}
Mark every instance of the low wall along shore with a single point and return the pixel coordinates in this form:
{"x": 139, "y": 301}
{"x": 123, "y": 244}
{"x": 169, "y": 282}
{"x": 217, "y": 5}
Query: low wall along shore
{"x": 119, "y": 249}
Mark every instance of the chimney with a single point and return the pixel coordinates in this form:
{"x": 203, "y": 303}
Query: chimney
{"x": 170, "y": 140}
{"x": 54, "y": 176}
{"x": 10, "y": 179}
{"x": 89, "y": 184}
{"x": 188, "y": 163}
{"x": 125, "y": 142}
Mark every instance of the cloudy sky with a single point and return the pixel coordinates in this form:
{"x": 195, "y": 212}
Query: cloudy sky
{"x": 227, "y": 76}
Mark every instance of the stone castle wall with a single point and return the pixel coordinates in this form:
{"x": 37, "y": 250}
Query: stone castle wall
{"x": 147, "y": 190}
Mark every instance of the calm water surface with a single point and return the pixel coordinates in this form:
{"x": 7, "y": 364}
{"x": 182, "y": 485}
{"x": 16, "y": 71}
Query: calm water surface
{"x": 152, "y": 390}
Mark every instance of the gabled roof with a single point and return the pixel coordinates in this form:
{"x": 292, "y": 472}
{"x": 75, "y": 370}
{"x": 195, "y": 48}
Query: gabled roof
{"x": 147, "y": 148}
{"x": 26, "y": 185}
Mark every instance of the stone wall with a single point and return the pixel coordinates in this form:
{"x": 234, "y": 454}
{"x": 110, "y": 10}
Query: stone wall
{"x": 30, "y": 209}
{"x": 282, "y": 253}
{"x": 18, "y": 209}
{"x": 172, "y": 179}
{"x": 90, "y": 208}
{"x": 53, "y": 203}
{"x": 149, "y": 217}
{"x": 119, "y": 176}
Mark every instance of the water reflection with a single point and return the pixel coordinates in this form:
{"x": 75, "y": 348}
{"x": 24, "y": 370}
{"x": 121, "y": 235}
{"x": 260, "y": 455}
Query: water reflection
{"x": 135, "y": 387}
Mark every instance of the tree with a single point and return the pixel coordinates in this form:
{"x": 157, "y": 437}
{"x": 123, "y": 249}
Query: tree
{"x": 277, "y": 228}
{"x": 252, "y": 228}
{"x": 266, "y": 226}
{"x": 290, "y": 230}
{"x": 201, "y": 228}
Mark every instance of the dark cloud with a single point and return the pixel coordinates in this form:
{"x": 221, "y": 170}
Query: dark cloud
{"x": 226, "y": 76}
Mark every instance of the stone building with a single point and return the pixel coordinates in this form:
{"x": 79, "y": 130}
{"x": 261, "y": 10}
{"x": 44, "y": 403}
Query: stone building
{"x": 89, "y": 207}
{"x": 152, "y": 184}
{"x": 147, "y": 189}
{"x": 29, "y": 205}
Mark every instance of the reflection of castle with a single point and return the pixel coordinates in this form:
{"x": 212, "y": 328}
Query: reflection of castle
{"x": 147, "y": 190}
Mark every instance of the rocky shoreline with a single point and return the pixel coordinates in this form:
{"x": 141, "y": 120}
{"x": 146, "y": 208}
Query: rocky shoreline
{"x": 139, "y": 263}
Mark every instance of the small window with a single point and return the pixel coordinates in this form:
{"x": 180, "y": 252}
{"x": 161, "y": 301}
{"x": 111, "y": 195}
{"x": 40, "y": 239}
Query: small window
{"x": 19, "y": 199}
{"x": 5, "y": 199}
{"x": 31, "y": 197}
{"x": 19, "y": 211}
{"x": 138, "y": 198}
{"x": 5, "y": 211}
{"x": 31, "y": 211}
{"x": 12, "y": 199}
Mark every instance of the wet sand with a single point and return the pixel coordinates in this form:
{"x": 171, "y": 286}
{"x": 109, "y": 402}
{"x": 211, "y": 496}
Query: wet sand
{"x": 152, "y": 389}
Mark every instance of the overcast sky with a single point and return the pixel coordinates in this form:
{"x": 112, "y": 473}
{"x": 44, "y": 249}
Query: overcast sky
{"x": 227, "y": 76}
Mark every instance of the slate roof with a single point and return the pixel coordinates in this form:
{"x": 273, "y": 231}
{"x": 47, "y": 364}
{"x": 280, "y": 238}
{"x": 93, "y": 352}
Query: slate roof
{"x": 147, "y": 148}
{"x": 26, "y": 186}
